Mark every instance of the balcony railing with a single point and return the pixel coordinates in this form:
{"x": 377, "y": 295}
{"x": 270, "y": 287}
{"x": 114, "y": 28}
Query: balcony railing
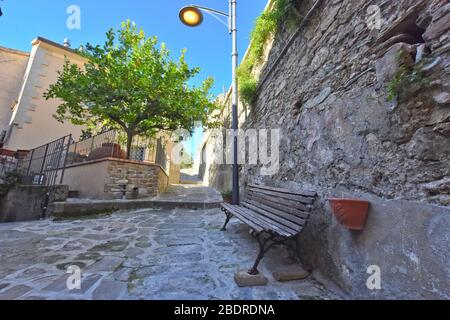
{"x": 46, "y": 165}
{"x": 112, "y": 144}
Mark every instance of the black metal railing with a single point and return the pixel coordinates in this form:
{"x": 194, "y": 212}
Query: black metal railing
{"x": 43, "y": 165}
{"x": 112, "y": 144}
{"x": 46, "y": 164}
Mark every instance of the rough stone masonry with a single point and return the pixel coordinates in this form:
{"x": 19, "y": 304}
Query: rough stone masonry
{"x": 341, "y": 135}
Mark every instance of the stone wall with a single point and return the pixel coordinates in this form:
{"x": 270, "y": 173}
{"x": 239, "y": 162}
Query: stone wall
{"x": 163, "y": 180}
{"x": 214, "y": 175}
{"x": 327, "y": 90}
{"x": 104, "y": 179}
{"x": 149, "y": 179}
{"x": 174, "y": 173}
{"x": 329, "y": 94}
{"x": 27, "y": 203}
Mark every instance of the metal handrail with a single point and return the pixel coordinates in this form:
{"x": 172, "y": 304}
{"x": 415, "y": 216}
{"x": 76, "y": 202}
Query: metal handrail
{"x": 43, "y": 165}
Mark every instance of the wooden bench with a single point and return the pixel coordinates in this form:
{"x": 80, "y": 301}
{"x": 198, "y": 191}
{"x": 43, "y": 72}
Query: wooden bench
{"x": 277, "y": 216}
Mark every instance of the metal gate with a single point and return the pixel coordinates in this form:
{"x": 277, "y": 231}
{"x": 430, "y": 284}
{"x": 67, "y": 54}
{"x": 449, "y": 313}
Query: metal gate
{"x": 45, "y": 165}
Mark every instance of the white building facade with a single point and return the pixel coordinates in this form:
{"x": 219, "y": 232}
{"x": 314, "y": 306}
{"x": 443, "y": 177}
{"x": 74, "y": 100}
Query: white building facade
{"x": 26, "y": 117}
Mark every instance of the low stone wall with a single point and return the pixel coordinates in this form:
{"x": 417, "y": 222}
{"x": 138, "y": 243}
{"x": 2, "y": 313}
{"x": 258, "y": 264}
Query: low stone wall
{"x": 174, "y": 174}
{"x": 163, "y": 181}
{"x": 104, "y": 179}
{"x": 26, "y": 203}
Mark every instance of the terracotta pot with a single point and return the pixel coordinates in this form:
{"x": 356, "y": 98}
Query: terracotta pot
{"x": 227, "y": 199}
{"x": 107, "y": 150}
{"x": 350, "y": 213}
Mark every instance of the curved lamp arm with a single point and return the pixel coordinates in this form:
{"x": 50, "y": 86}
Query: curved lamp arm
{"x": 216, "y": 13}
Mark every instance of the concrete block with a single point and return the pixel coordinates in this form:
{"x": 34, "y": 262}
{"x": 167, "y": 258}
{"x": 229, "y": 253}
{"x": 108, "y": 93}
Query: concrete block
{"x": 284, "y": 273}
{"x": 244, "y": 279}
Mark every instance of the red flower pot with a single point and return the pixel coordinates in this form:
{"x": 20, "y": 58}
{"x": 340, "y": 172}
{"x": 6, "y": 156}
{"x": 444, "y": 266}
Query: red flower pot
{"x": 227, "y": 199}
{"x": 350, "y": 213}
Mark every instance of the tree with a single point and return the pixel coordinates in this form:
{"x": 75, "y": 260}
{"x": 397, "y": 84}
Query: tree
{"x": 131, "y": 83}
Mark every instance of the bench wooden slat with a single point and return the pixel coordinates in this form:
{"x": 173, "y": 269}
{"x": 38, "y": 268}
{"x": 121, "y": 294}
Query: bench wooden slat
{"x": 234, "y": 210}
{"x": 251, "y": 223}
{"x": 280, "y": 217}
{"x": 300, "y": 193}
{"x": 279, "y": 204}
{"x": 301, "y": 199}
{"x": 275, "y": 210}
{"x": 271, "y": 224}
{"x": 263, "y": 222}
{"x": 264, "y": 225}
{"x": 289, "y": 203}
{"x": 297, "y": 218}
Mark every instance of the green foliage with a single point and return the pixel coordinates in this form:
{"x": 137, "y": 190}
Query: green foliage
{"x": 266, "y": 25}
{"x": 187, "y": 161}
{"x": 186, "y": 165}
{"x": 131, "y": 83}
{"x": 227, "y": 194}
{"x": 10, "y": 181}
{"x": 86, "y": 134}
{"x": 408, "y": 75}
{"x": 248, "y": 85}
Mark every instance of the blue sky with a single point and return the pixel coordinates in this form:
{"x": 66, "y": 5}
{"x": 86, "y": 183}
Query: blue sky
{"x": 209, "y": 46}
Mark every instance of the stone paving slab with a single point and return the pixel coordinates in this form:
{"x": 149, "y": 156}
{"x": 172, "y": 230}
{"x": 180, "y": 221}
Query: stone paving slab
{"x": 146, "y": 254}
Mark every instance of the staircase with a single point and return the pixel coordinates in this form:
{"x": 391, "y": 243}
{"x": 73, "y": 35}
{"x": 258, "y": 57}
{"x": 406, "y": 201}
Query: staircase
{"x": 190, "y": 177}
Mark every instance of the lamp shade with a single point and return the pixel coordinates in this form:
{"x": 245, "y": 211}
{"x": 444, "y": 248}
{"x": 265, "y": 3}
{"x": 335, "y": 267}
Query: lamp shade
{"x": 191, "y": 16}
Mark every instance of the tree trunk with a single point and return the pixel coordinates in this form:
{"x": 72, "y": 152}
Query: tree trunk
{"x": 130, "y": 136}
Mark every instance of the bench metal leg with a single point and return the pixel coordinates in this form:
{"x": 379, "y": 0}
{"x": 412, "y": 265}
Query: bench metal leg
{"x": 297, "y": 247}
{"x": 264, "y": 247}
{"x": 254, "y": 270}
{"x": 229, "y": 216}
{"x": 293, "y": 249}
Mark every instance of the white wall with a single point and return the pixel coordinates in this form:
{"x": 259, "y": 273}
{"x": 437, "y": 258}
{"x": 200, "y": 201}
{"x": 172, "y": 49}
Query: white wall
{"x": 32, "y": 121}
{"x": 12, "y": 70}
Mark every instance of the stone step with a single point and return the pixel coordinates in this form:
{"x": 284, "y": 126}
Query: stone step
{"x": 191, "y": 182}
{"x": 76, "y": 209}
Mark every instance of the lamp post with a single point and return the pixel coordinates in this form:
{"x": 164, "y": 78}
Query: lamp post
{"x": 192, "y": 16}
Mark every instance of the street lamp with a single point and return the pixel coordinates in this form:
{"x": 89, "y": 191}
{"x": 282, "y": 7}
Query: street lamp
{"x": 192, "y": 16}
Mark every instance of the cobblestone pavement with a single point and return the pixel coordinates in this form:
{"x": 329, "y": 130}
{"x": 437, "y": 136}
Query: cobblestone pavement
{"x": 147, "y": 254}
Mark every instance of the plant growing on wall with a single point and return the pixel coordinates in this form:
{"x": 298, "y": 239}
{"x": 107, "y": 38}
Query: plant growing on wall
{"x": 132, "y": 84}
{"x": 265, "y": 26}
{"x": 10, "y": 181}
{"x": 407, "y": 77}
